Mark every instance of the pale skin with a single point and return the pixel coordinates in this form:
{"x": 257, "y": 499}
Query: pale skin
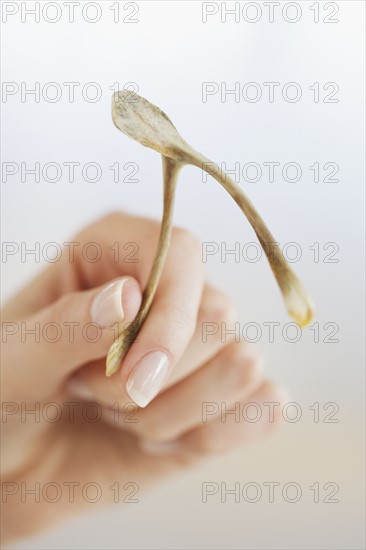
{"x": 170, "y": 433}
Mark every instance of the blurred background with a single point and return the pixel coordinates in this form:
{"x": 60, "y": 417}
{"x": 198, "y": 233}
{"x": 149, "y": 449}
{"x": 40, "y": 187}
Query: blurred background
{"x": 185, "y": 57}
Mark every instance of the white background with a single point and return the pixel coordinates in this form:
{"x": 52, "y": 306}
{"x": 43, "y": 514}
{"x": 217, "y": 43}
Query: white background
{"x": 169, "y": 53}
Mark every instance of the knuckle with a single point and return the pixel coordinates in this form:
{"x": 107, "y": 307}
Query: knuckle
{"x": 275, "y": 393}
{"x": 206, "y": 444}
{"x": 253, "y": 368}
{"x": 186, "y": 240}
{"x": 151, "y": 229}
{"x": 217, "y": 307}
{"x": 152, "y": 428}
{"x": 112, "y": 219}
{"x": 244, "y": 364}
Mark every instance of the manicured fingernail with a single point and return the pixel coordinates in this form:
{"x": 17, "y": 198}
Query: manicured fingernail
{"x": 107, "y": 305}
{"x": 147, "y": 377}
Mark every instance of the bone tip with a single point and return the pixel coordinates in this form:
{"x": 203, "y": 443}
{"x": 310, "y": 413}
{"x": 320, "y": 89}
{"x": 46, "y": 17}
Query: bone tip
{"x": 303, "y": 318}
{"x": 110, "y": 369}
{"x": 300, "y": 306}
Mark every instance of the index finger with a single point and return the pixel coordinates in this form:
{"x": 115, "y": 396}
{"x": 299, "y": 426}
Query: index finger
{"x": 171, "y": 321}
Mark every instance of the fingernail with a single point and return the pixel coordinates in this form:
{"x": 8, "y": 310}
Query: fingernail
{"x": 147, "y": 377}
{"x": 107, "y": 305}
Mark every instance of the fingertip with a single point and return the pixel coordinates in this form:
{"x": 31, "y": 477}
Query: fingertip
{"x": 131, "y": 298}
{"x": 117, "y": 301}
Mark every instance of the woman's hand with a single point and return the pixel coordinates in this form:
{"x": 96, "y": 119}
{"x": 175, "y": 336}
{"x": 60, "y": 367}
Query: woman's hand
{"x": 72, "y": 435}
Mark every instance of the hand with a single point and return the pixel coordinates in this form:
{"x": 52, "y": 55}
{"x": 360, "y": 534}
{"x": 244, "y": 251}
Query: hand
{"x": 85, "y": 428}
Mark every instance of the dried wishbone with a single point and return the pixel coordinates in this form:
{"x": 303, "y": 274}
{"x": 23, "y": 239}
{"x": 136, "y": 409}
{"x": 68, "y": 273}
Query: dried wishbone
{"x": 147, "y": 124}
{"x": 121, "y": 345}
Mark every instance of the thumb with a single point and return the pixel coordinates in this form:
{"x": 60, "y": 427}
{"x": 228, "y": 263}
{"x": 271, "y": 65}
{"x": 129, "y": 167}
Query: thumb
{"x": 79, "y": 327}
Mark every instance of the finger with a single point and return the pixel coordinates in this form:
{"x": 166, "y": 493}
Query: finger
{"x": 170, "y": 324}
{"x": 34, "y": 296}
{"x": 229, "y": 431}
{"x": 90, "y": 382}
{"x": 231, "y": 376}
{"x": 79, "y": 327}
{"x": 216, "y": 319}
{"x": 122, "y": 240}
